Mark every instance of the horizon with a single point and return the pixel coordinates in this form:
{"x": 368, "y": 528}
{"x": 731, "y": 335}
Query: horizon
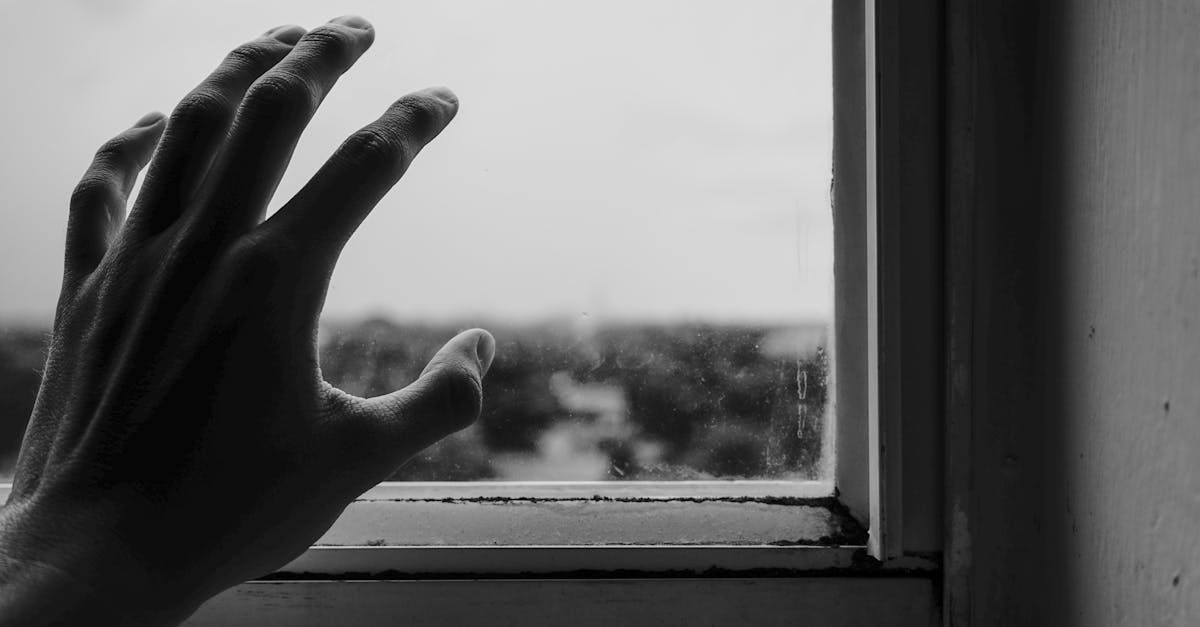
{"x": 19, "y": 323}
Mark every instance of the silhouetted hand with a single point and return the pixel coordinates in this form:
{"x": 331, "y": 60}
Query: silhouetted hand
{"x": 183, "y": 439}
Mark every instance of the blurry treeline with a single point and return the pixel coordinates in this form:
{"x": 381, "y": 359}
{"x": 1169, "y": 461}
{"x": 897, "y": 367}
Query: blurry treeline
{"x": 660, "y": 402}
{"x": 572, "y": 402}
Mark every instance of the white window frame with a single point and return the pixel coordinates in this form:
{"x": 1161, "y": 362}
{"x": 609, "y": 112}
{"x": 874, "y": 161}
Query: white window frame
{"x": 887, "y": 193}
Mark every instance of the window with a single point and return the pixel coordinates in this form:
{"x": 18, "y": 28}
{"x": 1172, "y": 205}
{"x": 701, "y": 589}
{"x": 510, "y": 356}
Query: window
{"x": 645, "y": 226}
{"x": 694, "y": 447}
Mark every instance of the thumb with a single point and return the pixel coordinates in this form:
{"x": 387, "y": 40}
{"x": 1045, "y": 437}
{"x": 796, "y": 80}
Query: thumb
{"x": 446, "y": 397}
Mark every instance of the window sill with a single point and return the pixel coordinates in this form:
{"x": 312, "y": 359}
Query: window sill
{"x": 582, "y": 603}
{"x": 763, "y": 553}
{"x": 587, "y": 554}
{"x": 402, "y": 530}
{"x": 448, "y": 530}
{"x": 525, "y": 514}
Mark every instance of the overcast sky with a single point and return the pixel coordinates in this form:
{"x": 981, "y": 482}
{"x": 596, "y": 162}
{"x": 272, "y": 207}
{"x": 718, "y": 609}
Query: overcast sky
{"x": 629, "y": 159}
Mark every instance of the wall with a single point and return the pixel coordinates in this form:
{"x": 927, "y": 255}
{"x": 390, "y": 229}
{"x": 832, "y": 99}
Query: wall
{"x": 1075, "y": 133}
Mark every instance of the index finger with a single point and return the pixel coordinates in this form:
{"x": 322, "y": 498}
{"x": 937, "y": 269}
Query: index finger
{"x": 323, "y": 215}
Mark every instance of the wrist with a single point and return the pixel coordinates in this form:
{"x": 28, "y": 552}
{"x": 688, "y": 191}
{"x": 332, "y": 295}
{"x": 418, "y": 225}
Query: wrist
{"x": 35, "y": 593}
{"x": 52, "y": 572}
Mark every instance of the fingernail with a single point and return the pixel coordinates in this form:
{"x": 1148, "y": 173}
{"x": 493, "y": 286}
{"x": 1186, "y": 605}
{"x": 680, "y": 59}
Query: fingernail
{"x": 288, "y": 34}
{"x": 150, "y": 119}
{"x": 485, "y": 350}
{"x": 353, "y": 21}
{"x": 444, "y": 94}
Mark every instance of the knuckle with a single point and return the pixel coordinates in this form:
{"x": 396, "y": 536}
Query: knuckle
{"x": 262, "y": 263}
{"x": 115, "y": 151}
{"x": 201, "y": 107}
{"x": 96, "y": 188}
{"x": 254, "y": 56}
{"x": 377, "y": 146}
{"x": 280, "y": 90}
{"x": 271, "y": 258}
{"x": 331, "y": 41}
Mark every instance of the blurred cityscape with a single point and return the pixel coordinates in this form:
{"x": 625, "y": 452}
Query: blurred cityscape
{"x": 571, "y": 401}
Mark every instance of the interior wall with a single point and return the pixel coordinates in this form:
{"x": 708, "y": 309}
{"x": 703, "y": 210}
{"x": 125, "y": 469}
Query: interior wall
{"x": 1079, "y": 122}
{"x": 1128, "y": 334}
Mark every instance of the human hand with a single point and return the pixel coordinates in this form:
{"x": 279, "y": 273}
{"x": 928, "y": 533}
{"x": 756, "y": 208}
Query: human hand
{"x": 183, "y": 439}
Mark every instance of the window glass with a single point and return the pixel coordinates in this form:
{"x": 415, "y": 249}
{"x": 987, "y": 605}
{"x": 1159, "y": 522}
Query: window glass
{"x": 633, "y": 199}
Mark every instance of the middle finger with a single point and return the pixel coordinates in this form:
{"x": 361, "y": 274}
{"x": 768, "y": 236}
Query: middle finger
{"x": 275, "y": 111}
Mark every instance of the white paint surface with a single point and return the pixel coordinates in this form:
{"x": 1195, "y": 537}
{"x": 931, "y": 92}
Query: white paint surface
{"x": 1076, "y": 160}
{"x": 1129, "y": 342}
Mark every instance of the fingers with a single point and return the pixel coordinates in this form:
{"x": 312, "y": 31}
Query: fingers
{"x": 198, "y": 126}
{"x": 276, "y": 109}
{"x": 327, "y": 210}
{"x": 98, "y": 203}
{"x": 444, "y": 399}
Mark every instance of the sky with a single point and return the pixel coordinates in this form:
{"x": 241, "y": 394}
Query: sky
{"x": 634, "y": 160}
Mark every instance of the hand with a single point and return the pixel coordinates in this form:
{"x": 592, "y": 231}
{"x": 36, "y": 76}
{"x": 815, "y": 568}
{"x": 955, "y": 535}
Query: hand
{"x": 183, "y": 439}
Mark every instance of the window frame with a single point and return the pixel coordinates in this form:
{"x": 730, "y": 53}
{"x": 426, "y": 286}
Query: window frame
{"x": 893, "y": 156}
{"x": 898, "y": 210}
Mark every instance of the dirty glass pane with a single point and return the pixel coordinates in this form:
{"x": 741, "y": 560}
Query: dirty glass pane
{"x": 633, "y": 199}
{"x": 619, "y": 401}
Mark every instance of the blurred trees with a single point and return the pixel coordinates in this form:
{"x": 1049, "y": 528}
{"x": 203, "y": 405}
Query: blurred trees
{"x": 701, "y": 401}
{"x": 709, "y": 397}
{"x": 22, "y": 354}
